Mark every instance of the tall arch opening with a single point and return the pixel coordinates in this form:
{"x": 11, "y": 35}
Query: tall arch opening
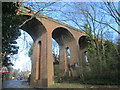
{"x": 37, "y": 31}
{"x": 33, "y": 27}
{"x": 83, "y": 45}
{"x": 63, "y": 37}
{"x": 23, "y": 60}
{"x": 83, "y": 42}
{"x": 56, "y": 58}
{"x": 39, "y": 61}
{"x": 68, "y": 54}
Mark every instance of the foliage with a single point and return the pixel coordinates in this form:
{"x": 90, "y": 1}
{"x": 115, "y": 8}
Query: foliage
{"x": 89, "y": 38}
{"x": 103, "y": 67}
{"x": 10, "y": 22}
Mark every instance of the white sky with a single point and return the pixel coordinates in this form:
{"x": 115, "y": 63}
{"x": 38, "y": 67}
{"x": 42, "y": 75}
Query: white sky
{"x": 23, "y": 62}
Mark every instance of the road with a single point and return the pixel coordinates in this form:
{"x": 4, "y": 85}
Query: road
{"x": 14, "y": 84}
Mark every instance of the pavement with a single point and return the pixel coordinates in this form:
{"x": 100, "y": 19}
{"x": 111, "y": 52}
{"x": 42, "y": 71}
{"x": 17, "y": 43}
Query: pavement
{"x": 15, "y": 84}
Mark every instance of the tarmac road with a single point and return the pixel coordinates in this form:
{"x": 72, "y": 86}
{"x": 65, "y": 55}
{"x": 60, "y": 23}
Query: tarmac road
{"x": 14, "y": 84}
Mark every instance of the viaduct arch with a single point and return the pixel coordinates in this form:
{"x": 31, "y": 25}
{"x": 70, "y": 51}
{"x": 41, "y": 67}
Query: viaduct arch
{"x": 42, "y": 29}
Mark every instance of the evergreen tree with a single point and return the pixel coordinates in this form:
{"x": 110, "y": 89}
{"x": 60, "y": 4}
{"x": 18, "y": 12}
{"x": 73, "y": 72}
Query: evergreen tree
{"x": 10, "y": 22}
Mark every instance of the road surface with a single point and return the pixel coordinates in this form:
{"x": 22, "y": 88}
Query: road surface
{"x": 14, "y": 84}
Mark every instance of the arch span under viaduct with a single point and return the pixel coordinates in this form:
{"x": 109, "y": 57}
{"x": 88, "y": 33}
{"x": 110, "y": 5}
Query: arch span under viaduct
{"x": 42, "y": 29}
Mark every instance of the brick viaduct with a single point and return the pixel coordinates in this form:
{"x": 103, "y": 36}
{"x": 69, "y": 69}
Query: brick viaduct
{"x": 42, "y": 29}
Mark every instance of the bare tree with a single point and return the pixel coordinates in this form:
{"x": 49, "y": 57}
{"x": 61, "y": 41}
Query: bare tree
{"x": 98, "y": 23}
{"x": 113, "y": 11}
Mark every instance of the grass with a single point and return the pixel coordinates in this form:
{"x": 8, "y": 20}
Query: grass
{"x": 96, "y": 82}
{"x": 77, "y": 85}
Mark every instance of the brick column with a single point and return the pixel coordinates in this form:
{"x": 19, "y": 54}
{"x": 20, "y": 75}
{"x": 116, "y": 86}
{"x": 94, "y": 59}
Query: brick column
{"x": 39, "y": 63}
{"x": 74, "y": 52}
{"x": 35, "y": 66}
{"x": 74, "y": 58}
{"x": 33, "y": 70}
{"x": 50, "y": 69}
{"x": 63, "y": 61}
